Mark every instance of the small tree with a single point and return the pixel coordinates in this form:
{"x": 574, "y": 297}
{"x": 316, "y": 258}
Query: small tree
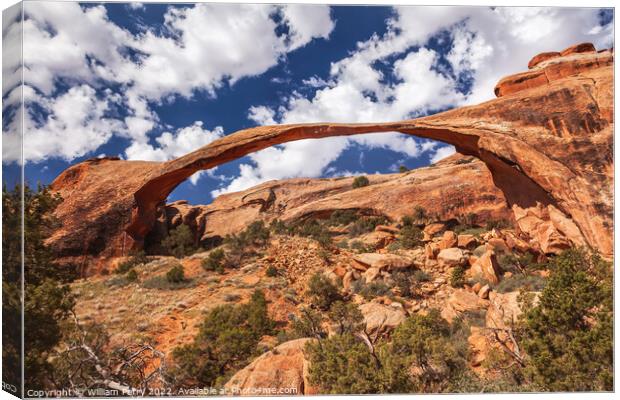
{"x": 342, "y": 364}
{"x": 346, "y": 317}
{"x": 410, "y": 237}
{"x": 179, "y": 242}
{"x": 568, "y": 335}
{"x": 256, "y": 233}
{"x": 227, "y": 339}
{"x": 322, "y": 291}
{"x": 308, "y": 324}
{"x": 425, "y": 355}
{"x": 215, "y": 261}
{"x": 402, "y": 169}
{"x": 360, "y": 181}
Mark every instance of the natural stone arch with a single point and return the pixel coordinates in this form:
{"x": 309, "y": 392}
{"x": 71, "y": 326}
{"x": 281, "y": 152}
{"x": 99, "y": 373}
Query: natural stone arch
{"x": 236, "y": 145}
{"x": 547, "y": 142}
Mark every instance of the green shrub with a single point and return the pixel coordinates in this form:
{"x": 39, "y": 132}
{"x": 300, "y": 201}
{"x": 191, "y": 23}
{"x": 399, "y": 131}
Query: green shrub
{"x": 360, "y": 181}
{"x": 433, "y": 348}
{"x": 518, "y": 264}
{"x": 256, "y": 233}
{"x": 231, "y": 297}
{"x": 179, "y": 242}
{"x": 226, "y": 341}
{"x": 424, "y": 356}
{"x": 457, "y": 277}
{"x": 278, "y": 227}
{"x": 346, "y": 317}
{"x": 176, "y": 274}
{"x": 419, "y": 214}
{"x": 308, "y": 324}
{"x": 243, "y": 245}
{"x": 360, "y": 247}
{"x": 370, "y": 290}
{"x": 402, "y": 169}
{"x": 118, "y": 280}
{"x": 343, "y": 244}
{"x": 407, "y": 220}
{"x": 568, "y": 335}
{"x": 366, "y": 224}
{"x": 174, "y": 279}
{"x": 421, "y": 276}
{"x": 468, "y": 230}
{"x": 132, "y": 275}
{"x": 215, "y": 261}
{"x": 322, "y": 291}
{"x": 342, "y": 364}
{"x": 324, "y": 255}
{"x": 404, "y": 283}
{"x": 312, "y": 229}
{"x": 342, "y": 217}
{"x": 410, "y": 237}
{"x": 394, "y": 246}
{"x": 271, "y": 271}
{"x": 46, "y": 302}
{"x": 474, "y": 317}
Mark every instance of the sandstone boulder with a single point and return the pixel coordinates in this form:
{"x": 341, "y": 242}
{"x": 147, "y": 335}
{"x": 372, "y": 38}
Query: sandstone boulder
{"x": 433, "y": 229}
{"x": 382, "y": 261}
{"x": 376, "y": 239}
{"x": 284, "y": 367}
{"x": 537, "y": 59}
{"x": 447, "y": 240}
{"x": 451, "y": 257}
{"x": 578, "y": 48}
{"x": 467, "y": 241}
{"x": 515, "y": 243}
{"x": 381, "y": 317}
{"x": 431, "y": 250}
{"x": 371, "y": 274}
{"x": 479, "y": 345}
{"x": 497, "y": 245}
{"x": 461, "y": 301}
{"x": 486, "y": 267}
{"x": 347, "y": 280}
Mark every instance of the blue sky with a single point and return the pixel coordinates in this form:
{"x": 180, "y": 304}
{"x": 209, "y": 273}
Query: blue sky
{"x": 155, "y": 81}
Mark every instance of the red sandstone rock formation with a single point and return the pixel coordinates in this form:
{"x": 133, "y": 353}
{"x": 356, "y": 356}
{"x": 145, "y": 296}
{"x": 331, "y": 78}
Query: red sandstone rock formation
{"x": 546, "y": 140}
{"x": 455, "y": 187}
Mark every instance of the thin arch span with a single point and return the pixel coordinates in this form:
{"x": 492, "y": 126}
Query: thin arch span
{"x": 156, "y": 189}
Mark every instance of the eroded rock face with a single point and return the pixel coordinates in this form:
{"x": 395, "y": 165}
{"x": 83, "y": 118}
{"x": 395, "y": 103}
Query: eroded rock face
{"x": 547, "y": 142}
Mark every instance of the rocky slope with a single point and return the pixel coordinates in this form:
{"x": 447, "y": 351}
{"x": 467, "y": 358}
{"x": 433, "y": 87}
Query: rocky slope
{"x": 166, "y": 317}
{"x": 546, "y": 142}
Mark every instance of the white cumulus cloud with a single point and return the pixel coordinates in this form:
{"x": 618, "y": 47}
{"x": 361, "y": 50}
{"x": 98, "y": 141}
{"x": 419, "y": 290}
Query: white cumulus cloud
{"x": 486, "y": 44}
{"x": 199, "y": 48}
